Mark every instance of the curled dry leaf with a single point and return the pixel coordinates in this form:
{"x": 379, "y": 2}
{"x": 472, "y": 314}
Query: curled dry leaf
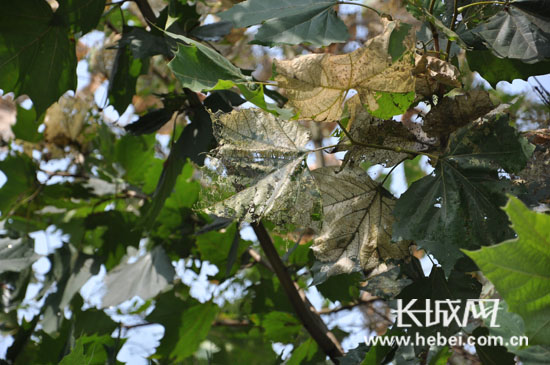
{"x": 66, "y": 121}
{"x": 262, "y": 160}
{"x": 365, "y": 128}
{"x": 452, "y": 113}
{"x": 357, "y": 222}
{"x": 317, "y": 84}
{"x": 431, "y": 71}
{"x": 537, "y": 171}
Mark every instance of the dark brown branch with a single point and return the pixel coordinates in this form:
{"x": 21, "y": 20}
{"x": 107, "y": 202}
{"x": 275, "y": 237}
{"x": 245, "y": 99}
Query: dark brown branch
{"x": 146, "y": 10}
{"x": 309, "y": 318}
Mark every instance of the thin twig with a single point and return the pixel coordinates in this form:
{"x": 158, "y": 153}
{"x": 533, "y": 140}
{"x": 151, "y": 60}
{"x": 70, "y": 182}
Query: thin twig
{"x": 309, "y": 318}
{"x": 453, "y": 21}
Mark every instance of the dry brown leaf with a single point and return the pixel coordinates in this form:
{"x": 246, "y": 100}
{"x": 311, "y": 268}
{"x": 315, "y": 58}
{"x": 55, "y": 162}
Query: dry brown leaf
{"x": 431, "y": 72}
{"x": 451, "y": 113}
{"x": 357, "y": 222}
{"x": 365, "y": 128}
{"x": 317, "y": 84}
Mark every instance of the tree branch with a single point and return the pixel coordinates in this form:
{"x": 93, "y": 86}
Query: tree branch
{"x": 146, "y": 11}
{"x": 311, "y": 320}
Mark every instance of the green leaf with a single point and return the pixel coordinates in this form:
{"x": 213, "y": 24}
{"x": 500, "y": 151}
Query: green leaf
{"x": 458, "y": 286}
{"x": 21, "y": 174}
{"x": 304, "y": 353}
{"x": 89, "y": 350}
{"x": 492, "y": 354}
{"x": 122, "y": 83}
{"x": 390, "y": 104}
{"x": 495, "y": 69}
{"x": 26, "y": 127}
{"x": 290, "y": 22}
{"x": 136, "y": 155}
{"x": 215, "y": 247}
{"x": 281, "y": 327}
{"x": 519, "y": 269}
{"x": 144, "y": 44}
{"x": 80, "y": 15}
{"x": 37, "y": 58}
{"x": 522, "y": 31}
{"x": 343, "y": 287}
{"x": 459, "y": 205}
{"x": 199, "y": 67}
{"x": 396, "y": 47}
{"x": 186, "y": 324}
{"x": 212, "y": 32}
{"x": 16, "y": 255}
{"x": 146, "y": 277}
{"x": 194, "y": 141}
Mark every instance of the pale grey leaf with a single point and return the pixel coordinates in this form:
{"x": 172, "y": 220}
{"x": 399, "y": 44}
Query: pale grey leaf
{"x": 357, "y": 221}
{"x": 261, "y": 162}
{"x": 16, "y": 255}
{"x": 146, "y": 277}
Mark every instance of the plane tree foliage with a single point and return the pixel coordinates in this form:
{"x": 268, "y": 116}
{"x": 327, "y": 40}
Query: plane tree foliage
{"x": 205, "y": 121}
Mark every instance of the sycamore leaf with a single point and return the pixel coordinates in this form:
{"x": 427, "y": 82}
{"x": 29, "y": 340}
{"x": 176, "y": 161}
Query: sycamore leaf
{"x": 317, "y": 84}
{"x": 199, "y": 67}
{"x": 521, "y": 31}
{"x": 519, "y": 269}
{"x": 459, "y": 205}
{"x": 431, "y": 72}
{"x": 452, "y": 113}
{"x": 263, "y": 159}
{"x": 290, "y": 21}
{"x": 365, "y": 128}
{"x": 357, "y": 222}
{"x": 37, "y": 56}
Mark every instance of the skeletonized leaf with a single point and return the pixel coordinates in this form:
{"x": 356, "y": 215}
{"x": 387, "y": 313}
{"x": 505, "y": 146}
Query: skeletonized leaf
{"x": 262, "y": 158}
{"x": 317, "y": 84}
{"x": 365, "y": 128}
{"x": 452, "y": 113}
{"x": 357, "y": 222}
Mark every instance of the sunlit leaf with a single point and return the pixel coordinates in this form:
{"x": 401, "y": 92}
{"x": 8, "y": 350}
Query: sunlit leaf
{"x": 519, "y": 269}
{"x": 263, "y": 158}
{"x": 317, "y": 84}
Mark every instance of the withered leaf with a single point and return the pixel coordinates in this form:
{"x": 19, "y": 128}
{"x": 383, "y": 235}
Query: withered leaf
{"x": 431, "y": 72}
{"x": 451, "y": 113}
{"x": 365, "y": 128}
{"x": 317, "y": 84}
{"x": 357, "y": 222}
{"x": 261, "y": 162}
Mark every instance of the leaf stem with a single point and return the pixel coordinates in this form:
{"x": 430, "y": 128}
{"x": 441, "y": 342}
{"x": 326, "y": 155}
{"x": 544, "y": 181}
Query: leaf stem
{"x": 359, "y": 4}
{"x": 461, "y": 9}
{"x": 391, "y": 170}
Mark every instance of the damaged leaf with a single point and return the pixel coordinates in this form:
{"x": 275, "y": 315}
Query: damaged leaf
{"x": 452, "y": 113}
{"x": 262, "y": 159}
{"x": 317, "y": 84}
{"x": 365, "y": 128}
{"x": 357, "y": 222}
{"x": 431, "y": 72}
